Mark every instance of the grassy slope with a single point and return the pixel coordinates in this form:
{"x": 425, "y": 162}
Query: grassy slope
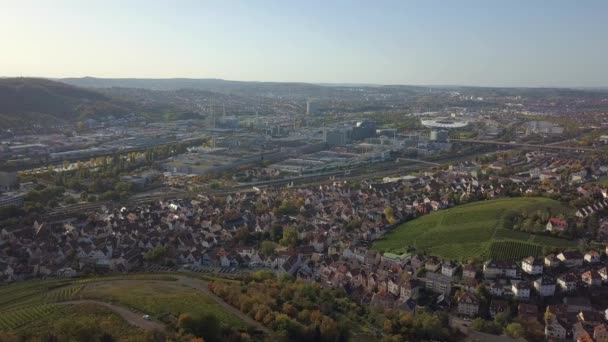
{"x": 157, "y": 298}
{"x": 105, "y": 318}
{"x": 28, "y": 306}
{"x": 467, "y": 231}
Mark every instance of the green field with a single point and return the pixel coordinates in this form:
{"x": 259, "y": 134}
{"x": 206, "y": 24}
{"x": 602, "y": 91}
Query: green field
{"x": 32, "y": 308}
{"x": 469, "y": 231}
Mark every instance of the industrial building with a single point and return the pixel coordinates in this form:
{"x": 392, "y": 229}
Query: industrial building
{"x": 8, "y": 181}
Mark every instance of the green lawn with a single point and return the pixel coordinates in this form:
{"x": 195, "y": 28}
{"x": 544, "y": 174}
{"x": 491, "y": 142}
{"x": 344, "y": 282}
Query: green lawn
{"x": 468, "y": 231}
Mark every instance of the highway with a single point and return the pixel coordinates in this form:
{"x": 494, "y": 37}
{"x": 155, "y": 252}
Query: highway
{"x": 546, "y": 146}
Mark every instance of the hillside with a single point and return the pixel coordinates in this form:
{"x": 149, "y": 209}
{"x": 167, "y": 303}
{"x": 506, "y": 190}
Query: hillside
{"x": 111, "y": 305}
{"x": 473, "y": 230}
{"x": 290, "y": 90}
{"x": 24, "y": 101}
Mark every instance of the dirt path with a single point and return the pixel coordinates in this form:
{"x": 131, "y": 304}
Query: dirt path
{"x": 201, "y": 285}
{"x": 131, "y": 317}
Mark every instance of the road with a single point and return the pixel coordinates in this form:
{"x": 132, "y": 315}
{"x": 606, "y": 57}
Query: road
{"x": 131, "y": 317}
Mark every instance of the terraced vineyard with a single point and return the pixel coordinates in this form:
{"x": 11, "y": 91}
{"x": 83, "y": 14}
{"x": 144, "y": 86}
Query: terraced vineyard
{"x": 35, "y": 306}
{"x": 64, "y": 294}
{"x": 514, "y": 250}
{"x": 471, "y": 230}
{"x": 13, "y": 319}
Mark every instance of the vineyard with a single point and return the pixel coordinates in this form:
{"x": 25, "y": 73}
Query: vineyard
{"x": 35, "y": 306}
{"x": 514, "y": 250}
{"x": 474, "y": 230}
{"x": 63, "y": 294}
{"x": 13, "y": 319}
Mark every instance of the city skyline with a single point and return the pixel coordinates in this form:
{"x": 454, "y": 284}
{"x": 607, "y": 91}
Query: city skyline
{"x": 519, "y": 44}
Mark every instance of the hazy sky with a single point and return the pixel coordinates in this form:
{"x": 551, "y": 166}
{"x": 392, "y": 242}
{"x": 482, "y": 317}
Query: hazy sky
{"x": 485, "y": 42}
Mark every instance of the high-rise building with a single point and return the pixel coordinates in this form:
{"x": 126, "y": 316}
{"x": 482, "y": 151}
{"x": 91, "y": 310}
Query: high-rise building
{"x": 336, "y": 137}
{"x": 363, "y": 130}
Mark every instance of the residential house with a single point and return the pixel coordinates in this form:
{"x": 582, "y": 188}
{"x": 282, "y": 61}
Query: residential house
{"x": 555, "y": 328}
{"x": 468, "y": 304}
{"x": 577, "y": 304}
{"x": 532, "y": 266}
{"x": 545, "y": 286}
{"x": 521, "y": 290}
{"x": 432, "y": 264}
{"x": 556, "y": 225}
{"x": 592, "y": 278}
{"x": 469, "y": 271}
{"x": 600, "y": 333}
{"x": 604, "y": 274}
{"x": 449, "y": 268}
{"x": 571, "y": 259}
{"x": 409, "y": 289}
{"x": 496, "y": 289}
{"x": 567, "y": 282}
{"x": 592, "y": 257}
{"x": 589, "y": 317}
{"x": 438, "y": 282}
{"x": 493, "y": 269}
{"x": 551, "y": 261}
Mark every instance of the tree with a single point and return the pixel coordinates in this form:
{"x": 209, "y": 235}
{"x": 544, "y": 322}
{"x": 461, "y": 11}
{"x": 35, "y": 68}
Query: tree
{"x": 290, "y": 237}
{"x": 242, "y": 235}
{"x": 276, "y": 231}
{"x": 390, "y": 216}
{"x": 81, "y": 329}
{"x": 205, "y": 326}
{"x": 267, "y": 248}
{"x": 157, "y": 254}
{"x": 515, "y": 330}
{"x": 488, "y": 327}
{"x": 502, "y": 319}
{"x": 287, "y": 208}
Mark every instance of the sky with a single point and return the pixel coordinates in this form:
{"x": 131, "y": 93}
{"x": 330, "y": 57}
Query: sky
{"x": 427, "y": 42}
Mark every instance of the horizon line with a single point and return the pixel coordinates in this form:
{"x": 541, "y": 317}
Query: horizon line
{"x": 349, "y": 84}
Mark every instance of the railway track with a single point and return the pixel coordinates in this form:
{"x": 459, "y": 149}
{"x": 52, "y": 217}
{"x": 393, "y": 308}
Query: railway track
{"x": 317, "y": 179}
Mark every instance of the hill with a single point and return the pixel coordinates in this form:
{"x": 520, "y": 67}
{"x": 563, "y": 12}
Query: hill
{"x": 41, "y": 102}
{"x": 290, "y": 90}
{"x": 24, "y": 101}
{"x": 114, "y": 305}
{"x": 473, "y": 230}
